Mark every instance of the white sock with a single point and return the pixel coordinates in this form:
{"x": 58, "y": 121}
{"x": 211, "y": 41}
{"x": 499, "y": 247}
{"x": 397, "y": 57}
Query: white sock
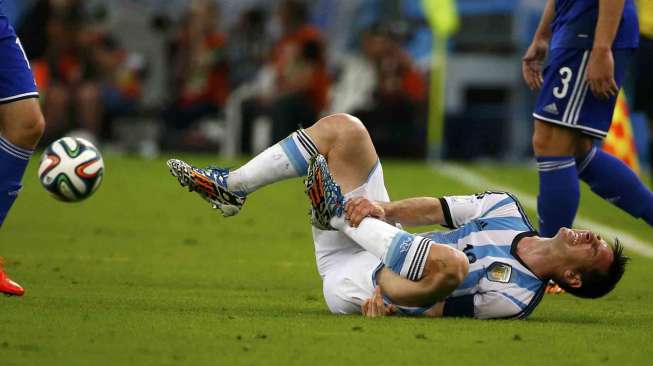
{"x": 286, "y": 159}
{"x": 402, "y": 252}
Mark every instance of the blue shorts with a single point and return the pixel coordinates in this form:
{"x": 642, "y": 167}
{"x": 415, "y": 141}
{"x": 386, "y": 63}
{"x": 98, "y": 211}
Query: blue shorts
{"x": 565, "y": 98}
{"x": 16, "y": 79}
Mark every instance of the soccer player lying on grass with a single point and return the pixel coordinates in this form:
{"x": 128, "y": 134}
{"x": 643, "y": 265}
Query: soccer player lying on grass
{"x": 492, "y": 264}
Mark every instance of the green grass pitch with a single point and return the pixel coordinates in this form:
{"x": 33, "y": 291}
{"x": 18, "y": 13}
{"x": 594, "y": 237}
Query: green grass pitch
{"x": 145, "y": 273}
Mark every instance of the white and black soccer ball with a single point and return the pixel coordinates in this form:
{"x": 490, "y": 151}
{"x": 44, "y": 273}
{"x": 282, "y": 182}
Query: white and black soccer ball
{"x": 71, "y": 169}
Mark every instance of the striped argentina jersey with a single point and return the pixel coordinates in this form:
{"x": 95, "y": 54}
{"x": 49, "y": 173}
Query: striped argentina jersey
{"x": 487, "y": 227}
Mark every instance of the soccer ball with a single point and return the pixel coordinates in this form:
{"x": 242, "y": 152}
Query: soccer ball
{"x": 71, "y": 169}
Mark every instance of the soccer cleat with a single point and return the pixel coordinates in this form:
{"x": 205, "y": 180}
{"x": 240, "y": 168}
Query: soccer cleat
{"x": 7, "y": 286}
{"x": 210, "y": 183}
{"x": 326, "y": 197}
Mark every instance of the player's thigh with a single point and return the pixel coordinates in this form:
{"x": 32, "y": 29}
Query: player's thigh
{"x": 332, "y": 246}
{"x": 350, "y": 283}
{"x": 347, "y": 145}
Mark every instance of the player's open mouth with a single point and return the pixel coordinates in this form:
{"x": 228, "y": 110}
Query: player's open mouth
{"x": 577, "y": 237}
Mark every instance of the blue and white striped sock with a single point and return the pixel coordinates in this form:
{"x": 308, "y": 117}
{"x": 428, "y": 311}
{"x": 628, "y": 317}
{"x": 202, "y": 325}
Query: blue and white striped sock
{"x": 403, "y": 253}
{"x": 559, "y": 195}
{"x": 13, "y": 161}
{"x": 286, "y": 159}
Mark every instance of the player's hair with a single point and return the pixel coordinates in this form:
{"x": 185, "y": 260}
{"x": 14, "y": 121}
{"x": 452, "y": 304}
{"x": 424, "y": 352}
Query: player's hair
{"x": 598, "y": 283}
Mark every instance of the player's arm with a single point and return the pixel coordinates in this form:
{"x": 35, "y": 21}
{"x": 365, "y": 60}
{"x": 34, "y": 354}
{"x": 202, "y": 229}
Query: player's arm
{"x": 409, "y": 212}
{"x": 536, "y": 54}
{"x": 600, "y": 68}
{"x": 449, "y": 211}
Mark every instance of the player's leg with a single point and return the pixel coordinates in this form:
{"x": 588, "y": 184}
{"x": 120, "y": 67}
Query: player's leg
{"x": 406, "y": 254}
{"x": 606, "y": 175}
{"x": 352, "y": 282}
{"x": 614, "y": 181}
{"x": 559, "y": 192}
{"x": 435, "y": 269}
{"x": 416, "y": 271}
{"x": 556, "y": 136}
{"x": 21, "y": 126}
{"x": 341, "y": 138}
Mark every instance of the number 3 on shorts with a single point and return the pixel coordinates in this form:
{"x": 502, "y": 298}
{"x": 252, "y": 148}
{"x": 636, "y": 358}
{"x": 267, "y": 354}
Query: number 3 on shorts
{"x": 565, "y": 78}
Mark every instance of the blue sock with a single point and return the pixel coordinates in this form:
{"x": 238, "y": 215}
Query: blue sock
{"x": 559, "y": 195}
{"x": 13, "y": 161}
{"x": 615, "y": 182}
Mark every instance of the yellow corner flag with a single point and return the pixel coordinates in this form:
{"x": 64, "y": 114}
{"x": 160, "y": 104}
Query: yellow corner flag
{"x": 620, "y": 141}
{"x": 442, "y": 16}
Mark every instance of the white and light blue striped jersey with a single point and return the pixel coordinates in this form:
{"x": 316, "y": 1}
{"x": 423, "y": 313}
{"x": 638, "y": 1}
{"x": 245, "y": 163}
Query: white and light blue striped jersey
{"x": 487, "y": 227}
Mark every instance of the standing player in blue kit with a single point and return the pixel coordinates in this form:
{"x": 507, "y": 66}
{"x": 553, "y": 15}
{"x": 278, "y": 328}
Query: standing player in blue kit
{"x": 589, "y": 44}
{"x": 21, "y": 127}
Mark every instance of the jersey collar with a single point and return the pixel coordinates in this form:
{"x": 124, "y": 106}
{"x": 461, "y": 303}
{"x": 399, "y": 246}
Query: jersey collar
{"x": 515, "y": 243}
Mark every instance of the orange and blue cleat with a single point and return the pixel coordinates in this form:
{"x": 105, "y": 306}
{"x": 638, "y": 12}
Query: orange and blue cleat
{"x": 210, "y": 183}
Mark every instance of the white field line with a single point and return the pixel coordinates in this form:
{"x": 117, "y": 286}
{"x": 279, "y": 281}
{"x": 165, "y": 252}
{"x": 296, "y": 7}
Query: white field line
{"x": 465, "y": 176}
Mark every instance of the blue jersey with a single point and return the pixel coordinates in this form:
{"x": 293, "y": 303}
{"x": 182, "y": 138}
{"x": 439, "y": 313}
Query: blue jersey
{"x": 487, "y": 228}
{"x": 575, "y": 22}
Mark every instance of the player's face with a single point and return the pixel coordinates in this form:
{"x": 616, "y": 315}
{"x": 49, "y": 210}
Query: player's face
{"x": 586, "y": 250}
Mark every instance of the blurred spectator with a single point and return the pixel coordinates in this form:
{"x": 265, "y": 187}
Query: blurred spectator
{"x": 395, "y": 111}
{"x": 121, "y": 76}
{"x": 199, "y": 82}
{"x": 65, "y": 72}
{"x": 248, "y": 47}
{"x": 338, "y": 21}
{"x": 300, "y": 81}
{"x": 643, "y": 68}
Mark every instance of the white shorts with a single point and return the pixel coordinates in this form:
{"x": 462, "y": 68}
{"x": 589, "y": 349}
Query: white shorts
{"x": 346, "y": 268}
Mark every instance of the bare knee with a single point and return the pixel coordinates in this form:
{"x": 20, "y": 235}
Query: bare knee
{"x": 552, "y": 140}
{"x": 23, "y": 123}
{"x": 345, "y": 124}
{"x": 33, "y": 129}
{"x": 340, "y": 128}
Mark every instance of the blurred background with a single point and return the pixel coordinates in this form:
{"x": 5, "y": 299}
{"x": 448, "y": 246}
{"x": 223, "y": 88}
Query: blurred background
{"x": 430, "y": 79}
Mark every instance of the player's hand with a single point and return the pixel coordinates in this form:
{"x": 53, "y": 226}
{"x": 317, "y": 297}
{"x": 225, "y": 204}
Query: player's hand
{"x": 532, "y": 63}
{"x": 375, "y": 307}
{"x": 358, "y": 208}
{"x": 600, "y": 74}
